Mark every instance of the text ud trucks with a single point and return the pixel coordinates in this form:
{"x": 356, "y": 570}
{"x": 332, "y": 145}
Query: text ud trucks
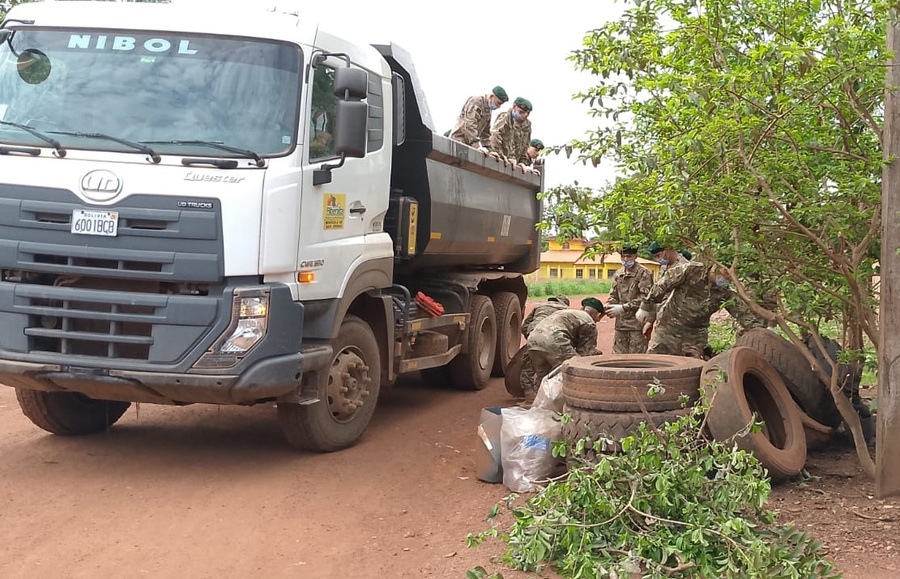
{"x": 240, "y": 210}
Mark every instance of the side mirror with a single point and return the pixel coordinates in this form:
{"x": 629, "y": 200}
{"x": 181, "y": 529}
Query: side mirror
{"x": 351, "y": 83}
{"x": 350, "y": 129}
{"x": 33, "y": 66}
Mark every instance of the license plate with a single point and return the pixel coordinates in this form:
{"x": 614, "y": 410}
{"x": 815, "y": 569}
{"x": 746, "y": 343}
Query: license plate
{"x": 86, "y": 222}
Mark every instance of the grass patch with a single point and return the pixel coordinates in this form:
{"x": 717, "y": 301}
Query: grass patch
{"x": 544, "y": 289}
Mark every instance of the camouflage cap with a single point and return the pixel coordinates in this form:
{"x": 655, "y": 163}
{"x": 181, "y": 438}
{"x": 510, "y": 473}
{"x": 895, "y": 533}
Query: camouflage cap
{"x": 523, "y": 103}
{"x": 559, "y": 298}
{"x": 500, "y": 93}
{"x": 537, "y": 144}
{"x": 592, "y": 303}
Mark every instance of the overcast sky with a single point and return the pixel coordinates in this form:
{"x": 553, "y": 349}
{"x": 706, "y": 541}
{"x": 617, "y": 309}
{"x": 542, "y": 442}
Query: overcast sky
{"x": 461, "y": 48}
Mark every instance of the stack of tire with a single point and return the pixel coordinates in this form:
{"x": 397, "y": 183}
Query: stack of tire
{"x": 818, "y": 411}
{"x": 744, "y": 387}
{"x": 607, "y": 399}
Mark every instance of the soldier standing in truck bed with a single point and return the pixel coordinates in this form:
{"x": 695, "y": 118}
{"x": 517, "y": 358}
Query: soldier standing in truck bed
{"x": 473, "y": 127}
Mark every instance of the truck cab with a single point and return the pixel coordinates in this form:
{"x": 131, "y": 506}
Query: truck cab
{"x": 218, "y": 211}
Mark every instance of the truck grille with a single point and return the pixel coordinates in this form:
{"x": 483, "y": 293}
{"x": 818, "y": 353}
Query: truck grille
{"x": 144, "y": 295}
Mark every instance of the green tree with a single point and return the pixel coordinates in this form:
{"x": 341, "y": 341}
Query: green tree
{"x": 751, "y": 133}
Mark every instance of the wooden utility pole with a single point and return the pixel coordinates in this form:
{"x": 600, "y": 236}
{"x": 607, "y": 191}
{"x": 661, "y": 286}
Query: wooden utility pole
{"x": 887, "y": 452}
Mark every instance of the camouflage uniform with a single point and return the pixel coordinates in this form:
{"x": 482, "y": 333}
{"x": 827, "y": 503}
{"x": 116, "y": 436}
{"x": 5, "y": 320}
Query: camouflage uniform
{"x": 510, "y": 139}
{"x": 522, "y": 138}
{"x": 473, "y": 127}
{"x": 630, "y": 287}
{"x": 555, "y": 339}
{"x": 539, "y": 313}
{"x": 531, "y": 320}
{"x": 688, "y": 300}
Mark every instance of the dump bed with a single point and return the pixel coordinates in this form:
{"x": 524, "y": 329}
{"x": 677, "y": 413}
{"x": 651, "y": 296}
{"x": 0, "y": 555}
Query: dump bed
{"x": 474, "y": 211}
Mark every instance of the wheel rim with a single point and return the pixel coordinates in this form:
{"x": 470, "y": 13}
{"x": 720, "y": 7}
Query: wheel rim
{"x": 348, "y": 385}
{"x": 485, "y": 343}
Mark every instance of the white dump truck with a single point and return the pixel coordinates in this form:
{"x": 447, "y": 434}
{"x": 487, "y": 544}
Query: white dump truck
{"x": 239, "y": 210}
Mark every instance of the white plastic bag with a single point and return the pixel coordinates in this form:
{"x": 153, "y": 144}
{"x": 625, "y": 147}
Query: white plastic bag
{"x": 549, "y": 395}
{"x": 526, "y": 446}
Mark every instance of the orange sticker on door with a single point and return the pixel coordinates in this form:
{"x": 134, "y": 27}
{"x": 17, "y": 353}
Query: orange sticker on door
{"x": 334, "y": 209}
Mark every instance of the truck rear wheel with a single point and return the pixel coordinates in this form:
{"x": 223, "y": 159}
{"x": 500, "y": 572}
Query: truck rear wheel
{"x": 509, "y": 330}
{"x": 472, "y": 370}
{"x": 347, "y": 396}
{"x": 69, "y": 413}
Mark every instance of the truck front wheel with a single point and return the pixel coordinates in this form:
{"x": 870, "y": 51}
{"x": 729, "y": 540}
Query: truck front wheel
{"x": 347, "y": 397}
{"x": 69, "y": 413}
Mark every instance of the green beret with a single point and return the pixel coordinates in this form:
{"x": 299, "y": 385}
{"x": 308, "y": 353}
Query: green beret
{"x": 655, "y": 248}
{"x": 537, "y": 143}
{"x": 559, "y": 298}
{"x": 500, "y": 93}
{"x": 523, "y": 103}
{"x": 629, "y": 250}
{"x": 687, "y": 254}
{"x": 592, "y": 303}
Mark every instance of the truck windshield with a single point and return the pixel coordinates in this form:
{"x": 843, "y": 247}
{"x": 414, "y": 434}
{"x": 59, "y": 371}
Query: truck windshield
{"x": 179, "y": 91}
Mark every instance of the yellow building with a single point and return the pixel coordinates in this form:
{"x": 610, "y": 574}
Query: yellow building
{"x": 567, "y": 261}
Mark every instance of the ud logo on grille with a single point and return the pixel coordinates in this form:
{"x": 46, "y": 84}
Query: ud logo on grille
{"x": 101, "y": 185}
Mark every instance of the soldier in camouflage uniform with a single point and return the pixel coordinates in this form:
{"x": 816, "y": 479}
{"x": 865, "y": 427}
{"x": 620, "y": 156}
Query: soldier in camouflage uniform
{"x": 558, "y": 337}
{"x": 473, "y": 127}
{"x": 631, "y": 284}
{"x": 532, "y": 155}
{"x": 511, "y": 132}
{"x": 689, "y": 293}
{"x": 666, "y": 257}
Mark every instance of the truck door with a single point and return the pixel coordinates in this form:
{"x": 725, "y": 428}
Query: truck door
{"x": 335, "y": 216}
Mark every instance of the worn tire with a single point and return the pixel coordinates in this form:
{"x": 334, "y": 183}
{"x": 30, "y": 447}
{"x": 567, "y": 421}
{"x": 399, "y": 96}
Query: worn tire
{"x": 742, "y": 383}
{"x": 69, "y": 413}
{"x": 340, "y": 417}
{"x": 796, "y": 373}
{"x": 612, "y": 425}
{"x": 472, "y": 370}
{"x": 618, "y": 383}
{"x": 509, "y": 330}
{"x": 513, "y": 378}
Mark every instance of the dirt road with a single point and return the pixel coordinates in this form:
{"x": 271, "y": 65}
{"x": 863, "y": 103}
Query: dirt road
{"x": 215, "y": 492}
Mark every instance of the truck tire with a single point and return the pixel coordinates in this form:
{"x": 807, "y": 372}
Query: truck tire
{"x": 612, "y": 425}
{"x": 744, "y": 384}
{"x": 803, "y": 384}
{"x": 605, "y": 382}
{"x": 347, "y": 396}
{"x": 472, "y": 370}
{"x": 69, "y": 413}
{"x": 509, "y": 330}
{"x": 513, "y": 378}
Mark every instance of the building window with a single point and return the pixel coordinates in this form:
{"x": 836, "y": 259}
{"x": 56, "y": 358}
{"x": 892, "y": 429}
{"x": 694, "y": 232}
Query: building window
{"x": 554, "y": 273}
{"x": 611, "y": 272}
{"x": 579, "y": 274}
{"x": 565, "y": 245}
{"x": 592, "y": 273}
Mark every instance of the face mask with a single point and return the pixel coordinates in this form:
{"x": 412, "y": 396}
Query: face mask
{"x": 721, "y": 282}
{"x": 662, "y": 261}
{"x": 628, "y": 263}
{"x": 516, "y": 115}
{"x": 491, "y": 105}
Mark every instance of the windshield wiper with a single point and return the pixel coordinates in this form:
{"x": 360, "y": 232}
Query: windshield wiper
{"x": 49, "y": 140}
{"x": 215, "y": 145}
{"x": 154, "y": 156}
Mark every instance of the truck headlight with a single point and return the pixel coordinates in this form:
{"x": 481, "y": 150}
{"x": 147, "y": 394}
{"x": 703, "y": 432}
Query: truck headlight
{"x": 249, "y": 322}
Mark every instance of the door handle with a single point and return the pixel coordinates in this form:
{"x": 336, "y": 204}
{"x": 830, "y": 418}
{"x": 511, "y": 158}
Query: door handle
{"x": 358, "y": 210}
